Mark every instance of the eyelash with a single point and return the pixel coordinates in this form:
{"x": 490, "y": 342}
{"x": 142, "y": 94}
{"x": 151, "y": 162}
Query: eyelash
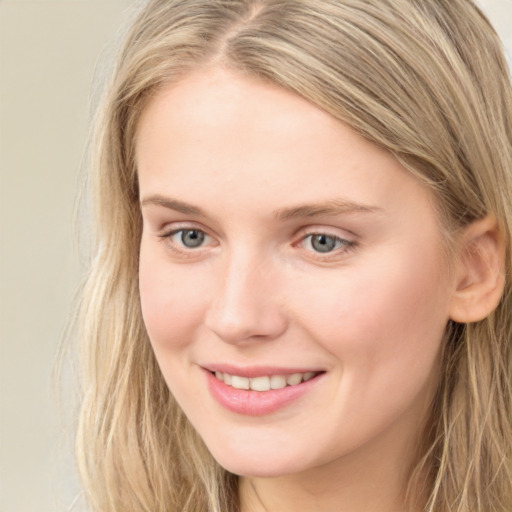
{"x": 169, "y": 235}
{"x": 342, "y": 243}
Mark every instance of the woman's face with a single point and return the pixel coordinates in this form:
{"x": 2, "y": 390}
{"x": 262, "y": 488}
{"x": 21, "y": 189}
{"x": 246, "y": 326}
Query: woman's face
{"x": 282, "y": 250}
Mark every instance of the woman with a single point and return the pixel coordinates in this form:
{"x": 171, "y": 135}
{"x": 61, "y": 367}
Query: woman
{"x": 301, "y": 294}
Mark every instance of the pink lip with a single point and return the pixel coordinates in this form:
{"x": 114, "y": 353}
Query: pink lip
{"x": 257, "y": 403}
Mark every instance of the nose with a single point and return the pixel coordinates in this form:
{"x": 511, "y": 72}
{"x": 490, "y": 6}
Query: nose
{"x": 245, "y": 307}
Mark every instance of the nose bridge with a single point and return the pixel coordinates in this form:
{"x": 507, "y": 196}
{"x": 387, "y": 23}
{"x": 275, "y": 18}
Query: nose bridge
{"x": 244, "y": 304}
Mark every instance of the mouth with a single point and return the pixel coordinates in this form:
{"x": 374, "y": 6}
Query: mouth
{"x": 265, "y": 382}
{"x": 259, "y": 391}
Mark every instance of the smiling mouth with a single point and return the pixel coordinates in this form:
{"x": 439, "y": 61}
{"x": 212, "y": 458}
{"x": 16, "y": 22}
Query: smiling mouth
{"x": 264, "y": 383}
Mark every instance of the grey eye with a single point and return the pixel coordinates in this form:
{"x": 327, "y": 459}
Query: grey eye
{"x": 324, "y": 243}
{"x": 192, "y": 238}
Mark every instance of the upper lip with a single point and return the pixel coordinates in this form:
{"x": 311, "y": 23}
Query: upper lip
{"x": 257, "y": 371}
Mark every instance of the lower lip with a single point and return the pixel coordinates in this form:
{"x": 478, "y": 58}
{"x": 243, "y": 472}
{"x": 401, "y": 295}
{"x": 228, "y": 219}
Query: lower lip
{"x": 257, "y": 403}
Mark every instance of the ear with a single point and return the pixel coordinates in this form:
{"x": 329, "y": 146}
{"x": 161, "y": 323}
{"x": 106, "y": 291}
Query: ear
{"x": 479, "y": 273}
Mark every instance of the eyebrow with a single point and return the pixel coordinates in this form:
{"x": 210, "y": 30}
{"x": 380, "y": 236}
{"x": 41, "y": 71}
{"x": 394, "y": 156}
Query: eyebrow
{"x": 329, "y": 208}
{"x": 173, "y": 204}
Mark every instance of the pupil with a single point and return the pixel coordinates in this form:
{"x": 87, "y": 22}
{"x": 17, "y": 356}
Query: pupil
{"x": 323, "y": 243}
{"x": 192, "y": 238}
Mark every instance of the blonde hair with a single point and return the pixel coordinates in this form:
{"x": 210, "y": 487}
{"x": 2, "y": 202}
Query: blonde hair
{"x": 425, "y": 79}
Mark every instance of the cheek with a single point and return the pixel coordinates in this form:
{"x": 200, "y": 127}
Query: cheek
{"x": 173, "y": 307}
{"x": 383, "y": 325}
{"x": 383, "y": 316}
{"x": 170, "y": 300}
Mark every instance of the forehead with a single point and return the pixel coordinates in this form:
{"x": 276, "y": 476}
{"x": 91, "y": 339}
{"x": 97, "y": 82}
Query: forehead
{"x": 218, "y": 134}
{"x": 220, "y": 109}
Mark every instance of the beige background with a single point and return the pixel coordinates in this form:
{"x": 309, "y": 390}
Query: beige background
{"x": 48, "y": 52}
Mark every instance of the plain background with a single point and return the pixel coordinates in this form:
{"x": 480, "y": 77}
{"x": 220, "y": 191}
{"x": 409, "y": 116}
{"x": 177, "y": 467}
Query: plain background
{"x": 49, "y": 51}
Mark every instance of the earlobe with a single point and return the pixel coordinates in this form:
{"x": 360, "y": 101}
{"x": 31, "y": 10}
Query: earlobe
{"x": 480, "y": 271}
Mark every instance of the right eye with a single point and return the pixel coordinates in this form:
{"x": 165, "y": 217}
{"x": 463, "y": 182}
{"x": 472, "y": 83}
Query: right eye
{"x": 186, "y": 241}
{"x": 188, "y": 238}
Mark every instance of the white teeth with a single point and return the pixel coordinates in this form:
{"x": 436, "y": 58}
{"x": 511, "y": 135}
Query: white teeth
{"x": 240, "y": 382}
{"x": 293, "y": 379}
{"x": 260, "y": 383}
{"x": 264, "y": 383}
{"x": 277, "y": 381}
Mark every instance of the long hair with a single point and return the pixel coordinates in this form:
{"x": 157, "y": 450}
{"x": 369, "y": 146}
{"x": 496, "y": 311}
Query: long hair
{"x": 424, "y": 79}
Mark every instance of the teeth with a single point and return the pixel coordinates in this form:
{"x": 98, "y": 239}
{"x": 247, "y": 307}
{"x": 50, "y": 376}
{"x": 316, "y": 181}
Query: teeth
{"x": 295, "y": 378}
{"x": 277, "y": 381}
{"x": 260, "y": 384}
{"x": 240, "y": 382}
{"x": 264, "y": 383}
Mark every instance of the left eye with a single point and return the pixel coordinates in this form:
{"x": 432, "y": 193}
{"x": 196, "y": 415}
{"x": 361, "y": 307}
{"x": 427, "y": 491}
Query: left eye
{"x": 323, "y": 243}
{"x": 189, "y": 238}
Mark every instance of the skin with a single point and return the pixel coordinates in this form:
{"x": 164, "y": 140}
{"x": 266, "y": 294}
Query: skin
{"x": 370, "y": 313}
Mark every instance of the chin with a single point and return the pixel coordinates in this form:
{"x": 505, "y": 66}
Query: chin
{"x": 259, "y": 465}
{"x": 252, "y": 470}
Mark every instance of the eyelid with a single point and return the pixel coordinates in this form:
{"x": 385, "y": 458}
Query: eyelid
{"x": 173, "y": 227}
{"x": 342, "y": 234}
